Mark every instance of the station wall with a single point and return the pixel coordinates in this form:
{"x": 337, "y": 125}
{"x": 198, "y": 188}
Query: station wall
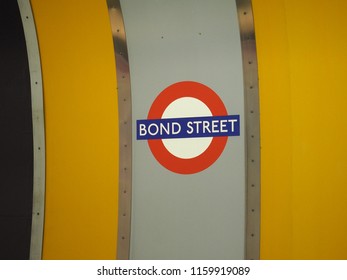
{"x": 301, "y": 58}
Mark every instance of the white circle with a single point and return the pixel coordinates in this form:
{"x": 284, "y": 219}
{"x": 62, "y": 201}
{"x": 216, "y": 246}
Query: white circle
{"x": 184, "y": 107}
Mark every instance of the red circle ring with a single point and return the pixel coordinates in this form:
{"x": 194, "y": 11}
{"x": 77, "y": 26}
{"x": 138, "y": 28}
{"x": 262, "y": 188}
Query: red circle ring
{"x": 217, "y": 108}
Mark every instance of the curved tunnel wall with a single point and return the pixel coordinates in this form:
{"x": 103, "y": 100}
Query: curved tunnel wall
{"x": 300, "y": 48}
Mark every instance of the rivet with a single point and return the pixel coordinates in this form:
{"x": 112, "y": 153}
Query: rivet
{"x": 252, "y": 185}
{"x": 125, "y": 122}
{"x": 252, "y": 136}
{"x": 251, "y": 87}
{"x": 37, "y": 213}
{"x": 26, "y": 17}
{"x": 245, "y": 13}
{"x": 249, "y": 62}
{"x": 39, "y": 148}
{"x": 124, "y": 191}
{"x": 252, "y": 111}
{"x": 124, "y": 99}
{"x": 123, "y": 237}
{"x": 253, "y": 210}
{"x": 125, "y": 145}
{"x": 162, "y": 37}
{"x": 124, "y": 215}
{"x": 117, "y": 30}
{"x": 252, "y": 235}
{"x": 252, "y": 160}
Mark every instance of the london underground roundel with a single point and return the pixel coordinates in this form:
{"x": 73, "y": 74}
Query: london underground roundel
{"x": 187, "y": 127}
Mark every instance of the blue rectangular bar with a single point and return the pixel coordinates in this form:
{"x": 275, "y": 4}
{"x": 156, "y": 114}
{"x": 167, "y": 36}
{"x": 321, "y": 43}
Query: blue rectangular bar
{"x": 192, "y": 127}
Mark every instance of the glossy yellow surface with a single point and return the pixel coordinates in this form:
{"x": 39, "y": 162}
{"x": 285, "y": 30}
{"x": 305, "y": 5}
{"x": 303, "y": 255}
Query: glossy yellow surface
{"x": 81, "y": 118}
{"x": 302, "y": 65}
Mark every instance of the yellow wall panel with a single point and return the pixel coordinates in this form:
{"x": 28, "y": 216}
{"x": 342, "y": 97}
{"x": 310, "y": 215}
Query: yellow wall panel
{"x": 81, "y": 129}
{"x": 276, "y": 139}
{"x": 303, "y": 133}
{"x": 317, "y": 38}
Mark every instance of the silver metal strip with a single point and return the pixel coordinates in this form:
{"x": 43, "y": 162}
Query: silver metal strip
{"x": 125, "y": 129}
{"x": 250, "y": 72}
{"x": 38, "y": 129}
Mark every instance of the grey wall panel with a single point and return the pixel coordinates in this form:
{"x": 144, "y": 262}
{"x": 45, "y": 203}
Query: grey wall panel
{"x": 200, "y": 215}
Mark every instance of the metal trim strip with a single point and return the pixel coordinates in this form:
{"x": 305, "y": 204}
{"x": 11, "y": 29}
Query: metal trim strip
{"x": 251, "y": 92}
{"x": 36, "y": 243}
{"x": 125, "y": 128}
